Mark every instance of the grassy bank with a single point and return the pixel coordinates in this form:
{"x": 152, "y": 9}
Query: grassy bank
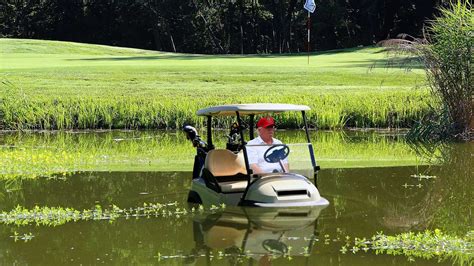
{"x": 60, "y": 85}
{"x": 60, "y": 154}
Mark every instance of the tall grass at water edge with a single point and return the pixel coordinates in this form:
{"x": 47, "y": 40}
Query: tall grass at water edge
{"x": 329, "y": 111}
{"x": 60, "y": 154}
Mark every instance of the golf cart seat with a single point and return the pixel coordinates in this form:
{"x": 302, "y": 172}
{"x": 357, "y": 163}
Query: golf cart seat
{"x": 228, "y": 169}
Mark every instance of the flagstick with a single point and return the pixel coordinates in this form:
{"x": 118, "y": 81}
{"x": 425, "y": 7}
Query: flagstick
{"x": 309, "y": 31}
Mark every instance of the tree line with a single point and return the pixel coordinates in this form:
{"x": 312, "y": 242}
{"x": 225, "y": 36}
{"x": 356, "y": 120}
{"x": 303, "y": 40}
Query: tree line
{"x": 215, "y": 27}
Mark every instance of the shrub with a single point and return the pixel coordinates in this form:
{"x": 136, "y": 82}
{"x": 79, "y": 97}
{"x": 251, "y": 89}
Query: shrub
{"x": 446, "y": 51}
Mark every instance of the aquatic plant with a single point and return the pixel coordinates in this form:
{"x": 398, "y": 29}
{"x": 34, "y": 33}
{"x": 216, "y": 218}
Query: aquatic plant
{"x": 25, "y": 237}
{"x": 54, "y": 216}
{"x": 422, "y": 176}
{"x": 426, "y": 245}
{"x": 236, "y": 254}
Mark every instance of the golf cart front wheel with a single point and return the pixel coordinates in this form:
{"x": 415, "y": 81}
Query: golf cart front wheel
{"x": 193, "y": 197}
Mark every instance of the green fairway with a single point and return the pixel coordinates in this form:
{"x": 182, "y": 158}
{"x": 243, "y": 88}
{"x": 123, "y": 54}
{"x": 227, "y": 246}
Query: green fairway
{"x": 59, "y": 85}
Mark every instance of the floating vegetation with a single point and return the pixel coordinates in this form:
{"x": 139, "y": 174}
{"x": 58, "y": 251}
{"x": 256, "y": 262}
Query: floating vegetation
{"x": 237, "y": 254}
{"x": 411, "y": 186}
{"x": 267, "y": 249}
{"x": 421, "y": 176}
{"x": 426, "y": 245}
{"x": 54, "y": 216}
{"x": 25, "y": 237}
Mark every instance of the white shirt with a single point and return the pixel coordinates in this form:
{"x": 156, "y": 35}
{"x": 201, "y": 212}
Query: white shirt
{"x": 255, "y": 155}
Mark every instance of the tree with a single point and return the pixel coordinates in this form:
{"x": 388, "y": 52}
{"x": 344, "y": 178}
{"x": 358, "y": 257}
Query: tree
{"x": 210, "y": 26}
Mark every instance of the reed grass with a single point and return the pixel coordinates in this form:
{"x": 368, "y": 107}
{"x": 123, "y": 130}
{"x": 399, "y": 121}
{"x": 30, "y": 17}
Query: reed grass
{"x": 59, "y": 85}
{"x": 60, "y": 154}
{"x": 446, "y": 53}
{"x": 336, "y": 110}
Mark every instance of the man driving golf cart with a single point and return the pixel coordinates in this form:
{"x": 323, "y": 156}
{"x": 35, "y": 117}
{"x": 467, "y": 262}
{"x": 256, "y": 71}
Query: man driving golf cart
{"x": 231, "y": 176}
{"x": 257, "y": 147}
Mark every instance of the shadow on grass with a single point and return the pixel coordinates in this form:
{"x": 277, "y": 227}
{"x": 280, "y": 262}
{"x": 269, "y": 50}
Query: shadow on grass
{"x": 178, "y": 56}
{"x": 401, "y": 63}
{"x": 159, "y": 57}
{"x": 185, "y": 57}
{"x": 391, "y": 63}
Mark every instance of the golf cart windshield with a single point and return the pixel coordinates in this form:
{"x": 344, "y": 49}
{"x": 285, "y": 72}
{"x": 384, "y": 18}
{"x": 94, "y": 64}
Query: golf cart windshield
{"x": 294, "y": 158}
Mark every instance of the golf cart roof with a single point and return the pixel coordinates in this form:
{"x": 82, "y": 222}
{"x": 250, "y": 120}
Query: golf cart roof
{"x": 250, "y": 109}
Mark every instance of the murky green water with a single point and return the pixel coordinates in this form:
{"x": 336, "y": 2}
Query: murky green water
{"x": 44, "y": 153}
{"x": 363, "y": 201}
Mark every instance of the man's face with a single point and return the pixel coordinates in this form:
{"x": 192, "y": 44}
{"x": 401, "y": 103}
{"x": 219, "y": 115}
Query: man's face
{"x": 266, "y": 133}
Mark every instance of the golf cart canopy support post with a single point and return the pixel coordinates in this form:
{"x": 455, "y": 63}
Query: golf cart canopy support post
{"x": 247, "y": 165}
{"x": 209, "y": 133}
{"x": 251, "y": 126}
{"x": 311, "y": 152}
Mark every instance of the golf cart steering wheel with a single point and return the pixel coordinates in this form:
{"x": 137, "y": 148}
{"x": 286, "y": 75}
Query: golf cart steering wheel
{"x": 276, "y": 153}
{"x": 275, "y": 246}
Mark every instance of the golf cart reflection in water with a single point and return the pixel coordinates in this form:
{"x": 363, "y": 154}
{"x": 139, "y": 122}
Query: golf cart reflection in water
{"x": 255, "y": 234}
{"x": 223, "y": 176}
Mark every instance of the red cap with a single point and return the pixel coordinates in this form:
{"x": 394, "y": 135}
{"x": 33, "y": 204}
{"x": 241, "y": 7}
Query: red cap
{"x": 266, "y": 122}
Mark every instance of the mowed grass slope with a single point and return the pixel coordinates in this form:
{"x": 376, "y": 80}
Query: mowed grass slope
{"x": 62, "y": 85}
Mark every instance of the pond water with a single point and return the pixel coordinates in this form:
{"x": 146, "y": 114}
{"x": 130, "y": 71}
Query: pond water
{"x": 46, "y": 153}
{"x": 363, "y": 201}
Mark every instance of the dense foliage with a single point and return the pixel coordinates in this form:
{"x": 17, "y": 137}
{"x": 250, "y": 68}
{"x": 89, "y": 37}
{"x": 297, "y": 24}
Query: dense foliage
{"x": 230, "y": 26}
{"x": 449, "y": 64}
{"x": 447, "y": 54}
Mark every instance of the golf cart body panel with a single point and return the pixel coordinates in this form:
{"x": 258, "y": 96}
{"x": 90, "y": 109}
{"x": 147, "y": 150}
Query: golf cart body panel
{"x": 224, "y": 176}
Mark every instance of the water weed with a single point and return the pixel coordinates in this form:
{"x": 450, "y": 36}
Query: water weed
{"x": 54, "y": 216}
{"x": 235, "y": 254}
{"x": 25, "y": 237}
{"x": 425, "y": 245}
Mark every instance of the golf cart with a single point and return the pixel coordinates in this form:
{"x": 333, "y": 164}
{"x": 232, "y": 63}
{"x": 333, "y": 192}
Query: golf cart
{"x": 224, "y": 176}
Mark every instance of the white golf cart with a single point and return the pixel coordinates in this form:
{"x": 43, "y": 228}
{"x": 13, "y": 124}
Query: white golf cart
{"x": 224, "y": 176}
